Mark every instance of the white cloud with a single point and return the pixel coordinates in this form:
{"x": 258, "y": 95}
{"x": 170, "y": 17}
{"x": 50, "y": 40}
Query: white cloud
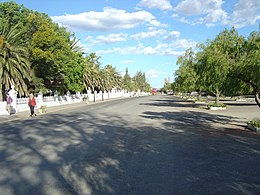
{"x": 161, "y": 46}
{"x": 109, "y": 51}
{"x": 111, "y": 38}
{"x": 183, "y": 44}
{"x": 161, "y": 49}
{"x": 183, "y": 20}
{"x": 197, "y": 7}
{"x": 175, "y": 42}
{"x": 106, "y": 39}
{"x": 149, "y": 50}
{"x": 168, "y": 44}
{"x": 108, "y": 20}
{"x": 88, "y": 38}
{"x": 126, "y": 62}
{"x": 246, "y": 12}
{"x": 209, "y": 11}
{"x": 159, "y": 4}
{"x": 149, "y": 34}
{"x": 157, "y": 23}
{"x": 154, "y": 73}
{"x": 216, "y": 15}
{"x": 172, "y": 35}
{"x": 191, "y": 22}
{"x": 170, "y": 52}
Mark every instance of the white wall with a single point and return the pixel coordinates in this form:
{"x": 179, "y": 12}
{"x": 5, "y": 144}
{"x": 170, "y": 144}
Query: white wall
{"x": 49, "y": 101}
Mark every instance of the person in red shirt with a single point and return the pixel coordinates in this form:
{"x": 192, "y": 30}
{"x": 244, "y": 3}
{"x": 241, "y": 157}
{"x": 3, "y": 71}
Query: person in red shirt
{"x": 32, "y": 104}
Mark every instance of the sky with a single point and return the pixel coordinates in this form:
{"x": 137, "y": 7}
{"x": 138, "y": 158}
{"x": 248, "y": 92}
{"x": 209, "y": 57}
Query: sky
{"x": 147, "y": 35}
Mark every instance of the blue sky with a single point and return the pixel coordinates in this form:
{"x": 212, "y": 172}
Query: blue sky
{"x": 148, "y": 35}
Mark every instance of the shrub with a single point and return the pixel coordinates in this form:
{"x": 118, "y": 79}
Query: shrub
{"x": 43, "y": 109}
{"x": 216, "y": 105}
{"x": 199, "y": 100}
{"x": 254, "y": 123}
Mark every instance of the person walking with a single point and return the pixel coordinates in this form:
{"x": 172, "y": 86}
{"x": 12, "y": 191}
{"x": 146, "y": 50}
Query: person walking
{"x": 32, "y": 104}
{"x": 8, "y": 103}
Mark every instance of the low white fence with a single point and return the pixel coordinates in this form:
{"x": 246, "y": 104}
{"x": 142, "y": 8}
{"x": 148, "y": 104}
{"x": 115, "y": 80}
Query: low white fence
{"x": 49, "y": 101}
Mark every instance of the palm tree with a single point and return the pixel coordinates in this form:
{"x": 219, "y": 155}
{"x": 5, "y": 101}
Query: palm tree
{"x": 14, "y": 64}
{"x": 74, "y": 45}
{"x": 92, "y": 72}
{"x": 111, "y": 78}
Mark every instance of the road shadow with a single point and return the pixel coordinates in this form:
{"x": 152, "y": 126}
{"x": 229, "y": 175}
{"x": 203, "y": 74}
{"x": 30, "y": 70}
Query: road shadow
{"x": 240, "y": 104}
{"x": 195, "y": 120}
{"x": 160, "y": 153}
{"x": 171, "y": 102}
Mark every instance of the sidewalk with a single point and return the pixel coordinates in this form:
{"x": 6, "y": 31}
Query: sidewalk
{"x": 26, "y": 114}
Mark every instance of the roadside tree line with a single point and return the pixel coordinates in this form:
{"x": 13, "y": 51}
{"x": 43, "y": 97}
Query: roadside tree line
{"x": 37, "y": 54}
{"x": 228, "y": 65}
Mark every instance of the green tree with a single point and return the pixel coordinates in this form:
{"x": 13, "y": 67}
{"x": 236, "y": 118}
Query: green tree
{"x": 92, "y": 73}
{"x": 228, "y": 58}
{"x": 215, "y": 69}
{"x": 14, "y": 64}
{"x": 73, "y": 45}
{"x": 140, "y": 82}
{"x": 186, "y": 74}
{"x": 127, "y": 81}
{"x": 247, "y": 69}
{"x": 167, "y": 85}
{"x": 51, "y": 52}
{"x": 199, "y": 67}
{"x": 74, "y": 73}
{"x": 216, "y": 60}
{"x": 227, "y": 65}
{"x": 14, "y": 13}
{"x": 110, "y": 78}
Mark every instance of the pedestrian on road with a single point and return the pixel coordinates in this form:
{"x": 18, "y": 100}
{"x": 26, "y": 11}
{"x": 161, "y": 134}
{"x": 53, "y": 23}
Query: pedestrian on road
{"x": 32, "y": 104}
{"x": 8, "y": 103}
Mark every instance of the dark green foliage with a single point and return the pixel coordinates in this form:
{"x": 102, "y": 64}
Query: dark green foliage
{"x": 140, "y": 82}
{"x": 229, "y": 65}
{"x": 127, "y": 81}
{"x": 14, "y": 64}
{"x": 255, "y": 123}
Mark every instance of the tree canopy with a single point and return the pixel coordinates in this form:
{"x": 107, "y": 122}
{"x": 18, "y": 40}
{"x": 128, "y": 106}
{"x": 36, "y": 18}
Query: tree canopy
{"x": 228, "y": 64}
{"x": 47, "y": 57}
{"x": 14, "y": 64}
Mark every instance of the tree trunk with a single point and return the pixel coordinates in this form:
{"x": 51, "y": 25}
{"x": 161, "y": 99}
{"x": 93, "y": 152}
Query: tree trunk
{"x": 256, "y": 91}
{"x": 199, "y": 95}
{"x": 257, "y": 98}
{"x": 217, "y": 97}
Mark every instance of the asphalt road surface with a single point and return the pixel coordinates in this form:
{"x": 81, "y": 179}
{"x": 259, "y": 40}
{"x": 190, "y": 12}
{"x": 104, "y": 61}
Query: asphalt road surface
{"x": 156, "y": 145}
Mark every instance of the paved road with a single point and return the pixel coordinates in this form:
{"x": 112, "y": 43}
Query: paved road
{"x": 149, "y": 145}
